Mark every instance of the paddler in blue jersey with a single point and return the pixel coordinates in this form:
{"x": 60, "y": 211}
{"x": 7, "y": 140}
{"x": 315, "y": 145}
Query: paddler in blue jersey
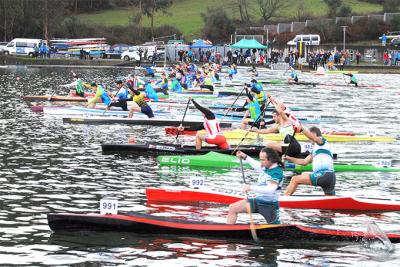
{"x": 353, "y": 78}
{"x": 323, "y": 173}
{"x": 79, "y": 86}
{"x": 122, "y": 96}
{"x": 267, "y": 189}
{"x": 254, "y": 111}
{"x": 259, "y": 93}
{"x": 100, "y": 94}
{"x": 150, "y": 92}
{"x": 148, "y": 72}
{"x": 293, "y": 75}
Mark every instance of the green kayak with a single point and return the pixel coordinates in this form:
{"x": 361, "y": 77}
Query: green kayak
{"x": 217, "y": 160}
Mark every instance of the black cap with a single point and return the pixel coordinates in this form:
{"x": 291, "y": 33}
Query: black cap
{"x": 93, "y": 84}
{"x": 254, "y": 81}
{"x": 118, "y": 81}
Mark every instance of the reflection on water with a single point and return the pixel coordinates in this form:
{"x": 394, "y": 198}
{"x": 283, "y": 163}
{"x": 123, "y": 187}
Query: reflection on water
{"x": 47, "y": 166}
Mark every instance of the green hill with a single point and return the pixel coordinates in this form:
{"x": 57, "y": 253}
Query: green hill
{"x": 186, "y": 14}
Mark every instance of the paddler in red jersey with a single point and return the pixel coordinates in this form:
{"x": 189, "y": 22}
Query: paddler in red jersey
{"x": 213, "y": 133}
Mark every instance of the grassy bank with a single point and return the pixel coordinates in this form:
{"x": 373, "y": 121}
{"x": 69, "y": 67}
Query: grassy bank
{"x": 186, "y": 14}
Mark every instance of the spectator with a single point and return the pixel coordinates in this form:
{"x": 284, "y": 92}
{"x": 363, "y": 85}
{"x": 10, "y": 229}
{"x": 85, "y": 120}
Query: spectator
{"x": 358, "y": 57}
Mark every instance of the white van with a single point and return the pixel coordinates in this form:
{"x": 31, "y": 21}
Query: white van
{"x": 309, "y": 39}
{"x": 22, "y": 46}
{"x": 131, "y": 54}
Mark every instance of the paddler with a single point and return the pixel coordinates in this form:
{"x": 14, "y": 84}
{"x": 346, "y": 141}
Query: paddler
{"x": 175, "y": 84}
{"x": 122, "y": 96}
{"x": 140, "y": 104}
{"x": 100, "y": 94}
{"x": 353, "y": 78}
{"x": 254, "y": 111}
{"x": 259, "y": 93}
{"x": 163, "y": 84}
{"x": 293, "y": 75}
{"x": 79, "y": 86}
{"x": 323, "y": 173}
{"x": 213, "y": 134}
{"x": 285, "y": 126}
{"x": 267, "y": 189}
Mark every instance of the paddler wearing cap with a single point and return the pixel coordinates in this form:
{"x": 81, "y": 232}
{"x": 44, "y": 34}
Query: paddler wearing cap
{"x": 79, "y": 86}
{"x": 122, "y": 96}
{"x": 100, "y": 94}
{"x": 259, "y": 93}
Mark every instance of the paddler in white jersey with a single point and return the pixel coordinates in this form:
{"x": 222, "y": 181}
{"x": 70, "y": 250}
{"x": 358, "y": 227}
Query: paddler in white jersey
{"x": 323, "y": 173}
{"x": 213, "y": 133}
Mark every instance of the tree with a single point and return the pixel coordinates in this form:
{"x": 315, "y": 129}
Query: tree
{"x": 344, "y": 11}
{"x": 391, "y": 5}
{"x": 269, "y": 8}
{"x": 333, "y": 6}
{"x": 217, "y": 25}
{"x": 150, "y": 7}
{"x": 241, "y": 6}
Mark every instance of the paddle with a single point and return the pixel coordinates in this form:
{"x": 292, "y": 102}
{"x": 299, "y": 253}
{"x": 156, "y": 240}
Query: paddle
{"x": 290, "y": 142}
{"x": 254, "y": 123}
{"x": 252, "y": 226}
{"x": 229, "y": 109}
{"x": 344, "y": 79}
{"x": 54, "y": 92}
{"x": 183, "y": 118}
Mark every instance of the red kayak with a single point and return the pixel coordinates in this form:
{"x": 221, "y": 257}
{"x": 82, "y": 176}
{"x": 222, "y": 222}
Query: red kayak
{"x": 150, "y": 224}
{"x": 292, "y": 202}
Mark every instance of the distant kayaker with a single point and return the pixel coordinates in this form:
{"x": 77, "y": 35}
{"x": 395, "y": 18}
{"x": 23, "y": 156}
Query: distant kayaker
{"x": 122, "y": 96}
{"x": 323, "y": 173}
{"x": 353, "y": 78}
{"x": 163, "y": 84}
{"x": 79, "y": 86}
{"x": 100, "y": 94}
{"x": 293, "y": 75}
{"x": 213, "y": 134}
{"x": 285, "y": 125}
{"x": 140, "y": 104}
{"x": 266, "y": 190}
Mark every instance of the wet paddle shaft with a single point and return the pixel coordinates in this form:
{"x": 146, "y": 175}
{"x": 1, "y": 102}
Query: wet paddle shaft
{"x": 183, "y": 118}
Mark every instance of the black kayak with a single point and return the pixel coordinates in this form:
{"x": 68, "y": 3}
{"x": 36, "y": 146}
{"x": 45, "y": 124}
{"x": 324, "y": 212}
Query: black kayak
{"x": 151, "y": 224}
{"x": 164, "y": 148}
{"x": 153, "y": 122}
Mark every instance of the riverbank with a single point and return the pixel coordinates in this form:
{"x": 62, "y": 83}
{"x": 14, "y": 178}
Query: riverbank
{"x": 117, "y": 63}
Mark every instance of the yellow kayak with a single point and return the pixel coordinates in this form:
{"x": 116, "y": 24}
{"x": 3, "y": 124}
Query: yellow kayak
{"x": 239, "y": 134}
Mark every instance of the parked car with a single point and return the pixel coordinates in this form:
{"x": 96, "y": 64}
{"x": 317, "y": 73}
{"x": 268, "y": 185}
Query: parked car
{"x": 2, "y": 46}
{"x": 395, "y": 42}
{"x": 159, "y": 56}
{"x": 115, "y": 51}
{"x": 131, "y": 54}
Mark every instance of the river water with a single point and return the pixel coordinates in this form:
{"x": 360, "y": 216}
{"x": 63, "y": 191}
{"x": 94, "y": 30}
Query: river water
{"x": 47, "y": 166}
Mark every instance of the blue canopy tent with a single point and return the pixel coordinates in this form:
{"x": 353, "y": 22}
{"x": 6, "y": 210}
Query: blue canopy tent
{"x": 200, "y": 44}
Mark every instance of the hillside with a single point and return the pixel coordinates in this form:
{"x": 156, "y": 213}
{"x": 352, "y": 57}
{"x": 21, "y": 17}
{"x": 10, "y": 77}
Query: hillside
{"x": 186, "y": 14}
